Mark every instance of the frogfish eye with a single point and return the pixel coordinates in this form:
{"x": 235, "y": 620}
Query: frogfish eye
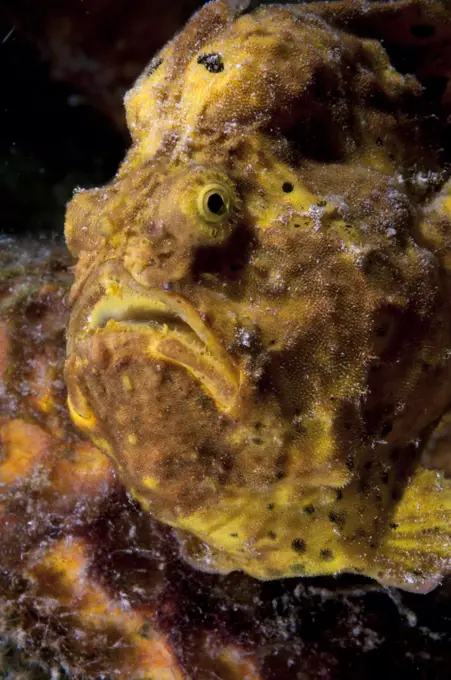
{"x": 214, "y": 202}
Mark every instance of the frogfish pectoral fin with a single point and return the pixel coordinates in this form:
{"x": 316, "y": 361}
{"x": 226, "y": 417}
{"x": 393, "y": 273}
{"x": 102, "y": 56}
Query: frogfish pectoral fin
{"x": 415, "y": 553}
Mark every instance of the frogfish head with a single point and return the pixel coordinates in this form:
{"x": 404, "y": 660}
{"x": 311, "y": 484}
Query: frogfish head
{"x": 243, "y": 286}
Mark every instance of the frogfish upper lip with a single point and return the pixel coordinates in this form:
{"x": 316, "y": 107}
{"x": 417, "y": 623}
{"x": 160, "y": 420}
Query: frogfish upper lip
{"x": 172, "y": 331}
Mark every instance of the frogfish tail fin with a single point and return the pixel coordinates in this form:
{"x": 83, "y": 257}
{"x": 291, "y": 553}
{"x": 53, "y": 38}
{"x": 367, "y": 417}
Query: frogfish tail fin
{"x": 415, "y": 553}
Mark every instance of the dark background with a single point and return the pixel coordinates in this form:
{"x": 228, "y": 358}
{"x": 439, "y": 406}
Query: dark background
{"x": 65, "y": 66}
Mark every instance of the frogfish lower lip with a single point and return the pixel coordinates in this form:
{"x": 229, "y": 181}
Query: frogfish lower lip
{"x": 172, "y": 331}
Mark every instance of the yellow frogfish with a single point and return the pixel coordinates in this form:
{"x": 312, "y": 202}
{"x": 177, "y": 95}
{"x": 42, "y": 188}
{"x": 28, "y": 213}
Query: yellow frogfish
{"x": 260, "y": 329}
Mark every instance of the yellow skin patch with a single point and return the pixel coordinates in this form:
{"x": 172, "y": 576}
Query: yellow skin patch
{"x": 260, "y": 335}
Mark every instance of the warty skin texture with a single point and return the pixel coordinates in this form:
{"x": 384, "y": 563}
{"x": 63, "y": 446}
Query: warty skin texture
{"x": 260, "y": 335}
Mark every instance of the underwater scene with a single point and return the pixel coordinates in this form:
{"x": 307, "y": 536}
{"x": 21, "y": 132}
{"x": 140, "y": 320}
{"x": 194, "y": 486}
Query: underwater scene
{"x": 225, "y": 340}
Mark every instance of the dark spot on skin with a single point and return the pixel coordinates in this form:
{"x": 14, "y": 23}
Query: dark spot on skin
{"x": 339, "y": 494}
{"x": 326, "y": 555}
{"x": 321, "y": 204}
{"x": 417, "y": 572}
{"x": 368, "y": 465}
{"x": 270, "y": 506}
{"x": 287, "y": 187}
{"x": 422, "y": 31}
{"x": 394, "y": 525}
{"x": 272, "y": 535}
{"x": 373, "y": 545}
{"x": 154, "y": 64}
{"x": 297, "y": 226}
{"x": 257, "y": 441}
{"x": 309, "y": 509}
{"x": 280, "y": 475}
{"x": 298, "y": 545}
{"x": 384, "y": 477}
{"x": 234, "y": 535}
{"x": 379, "y": 142}
{"x": 297, "y": 568}
{"x": 380, "y": 574}
{"x": 212, "y": 62}
{"x": 337, "y": 518}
